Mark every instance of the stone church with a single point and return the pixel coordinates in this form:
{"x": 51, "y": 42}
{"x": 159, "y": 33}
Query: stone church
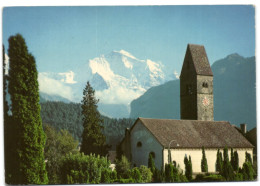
{"x": 195, "y": 130}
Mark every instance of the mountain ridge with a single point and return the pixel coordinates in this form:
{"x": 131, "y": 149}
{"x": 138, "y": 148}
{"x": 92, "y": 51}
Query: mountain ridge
{"x": 234, "y": 94}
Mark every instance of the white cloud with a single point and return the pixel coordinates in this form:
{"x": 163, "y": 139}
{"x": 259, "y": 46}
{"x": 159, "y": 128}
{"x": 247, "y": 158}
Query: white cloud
{"x": 6, "y": 64}
{"x": 54, "y": 87}
{"x": 117, "y": 95}
{"x": 176, "y": 74}
{"x": 68, "y": 77}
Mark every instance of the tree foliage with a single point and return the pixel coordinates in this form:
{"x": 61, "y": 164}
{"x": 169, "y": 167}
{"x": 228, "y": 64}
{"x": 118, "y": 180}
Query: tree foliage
{"x": 204, "y": 163}
{"x": 219, "y": 161}
{"x": 80, "y": 168}
{"x": 151, "y": 164}
{"x": 58, "y": 144}
{"x": 93, "y": 141}
{"x": 27, "y": 132}
{"x": 188, "y": 167}
{"x": 122, "y": 166}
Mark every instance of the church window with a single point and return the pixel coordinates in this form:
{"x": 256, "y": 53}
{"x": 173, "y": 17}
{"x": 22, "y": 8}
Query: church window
{"x": 139, "y": 144}
{"x": 153, "y": 154}
{"x": 205, "y": 85}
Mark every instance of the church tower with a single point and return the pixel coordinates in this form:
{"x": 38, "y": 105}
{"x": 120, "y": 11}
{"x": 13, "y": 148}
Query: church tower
{"x": 196, "y": 85}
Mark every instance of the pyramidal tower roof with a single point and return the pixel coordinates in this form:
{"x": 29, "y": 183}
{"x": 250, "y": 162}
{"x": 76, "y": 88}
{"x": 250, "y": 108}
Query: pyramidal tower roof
{"x": 199, "y": 59}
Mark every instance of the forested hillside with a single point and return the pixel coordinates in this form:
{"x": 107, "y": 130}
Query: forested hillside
{"x": 68, "y": 116}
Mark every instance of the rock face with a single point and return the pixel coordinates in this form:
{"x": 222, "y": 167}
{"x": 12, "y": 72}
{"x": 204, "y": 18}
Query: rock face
{"x": 234, "y": 94}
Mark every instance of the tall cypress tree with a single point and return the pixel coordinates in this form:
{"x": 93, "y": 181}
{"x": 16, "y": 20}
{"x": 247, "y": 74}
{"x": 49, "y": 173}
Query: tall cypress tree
{"x": 27, "y": 131}
{"x": 204, "y": 163}
{"x": 93, "y": 141}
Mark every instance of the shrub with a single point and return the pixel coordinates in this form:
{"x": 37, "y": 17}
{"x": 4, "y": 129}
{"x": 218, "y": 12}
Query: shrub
{"x": 106, "y": 176}
{"x": 209, "y": 178}
{"x": 80, "y": 168}
{"x": 135, "y": 175}
{"x": 122, "y": 167}
{"x": 146, "y": 174}
{"x": 188, "y": 168}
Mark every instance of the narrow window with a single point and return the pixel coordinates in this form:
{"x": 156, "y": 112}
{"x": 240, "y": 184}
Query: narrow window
{"x": 139, "y": 144}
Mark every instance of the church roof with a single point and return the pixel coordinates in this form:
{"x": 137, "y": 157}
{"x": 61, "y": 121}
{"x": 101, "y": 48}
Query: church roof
{"x": 199, "y": 59}
{"x": 195, "y": 134}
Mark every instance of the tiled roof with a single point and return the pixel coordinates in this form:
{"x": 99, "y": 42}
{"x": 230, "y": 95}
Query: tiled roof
{"x": 200, "y": 59}
{"x": 195, "y": 134}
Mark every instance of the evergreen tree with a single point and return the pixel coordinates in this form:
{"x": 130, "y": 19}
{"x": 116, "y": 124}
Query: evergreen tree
{"x": 7, "y": 129}
{"x": 27, "y": 131}
{"x": 227, "y": 171}
{"x": 204, "y": 163}
{"x": 188, "y": 168}
{"x": 151, "y": 164}
{"x": 236, "y": 161}
{"x": 232, "y": 158}
{"x": 219, "y": 162}
{"x": 93, "y": 141}
{"x": 248, "y": 158}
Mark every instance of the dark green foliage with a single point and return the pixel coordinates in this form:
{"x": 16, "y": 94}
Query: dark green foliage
{"x": 209, "y": 178}
{"x": 235, "y": 164}
{"x": 227, "y": 172}
{"x": 219, "y": 162}
{"x": 135, "y": 175}
{"x": 65, "y": 116}
{"x": 27, "y": 129}
{"x": 151, "y": 164}
{"x": 80, "y": 168}
{"x": 8, "y": 152}
{"x": 188, "y": 168}
{"x": 171, "y": 173}
{"x": 248, "y": 171}
{"x": 204, "y": 163}
{"x": 146, "y": 174}
{"x": 249, "y": 158}
{"x": 57, "y": 145}
{"x": 122, "y": 166}
{"x": 68, "y": 116}
{"x": 106, "y": 175}
{"x": 93, "y": 141}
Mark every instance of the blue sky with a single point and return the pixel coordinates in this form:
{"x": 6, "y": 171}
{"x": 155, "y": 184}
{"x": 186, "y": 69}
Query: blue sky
{"x": 62, "y": 38}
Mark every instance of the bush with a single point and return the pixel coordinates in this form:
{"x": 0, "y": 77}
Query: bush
{"x": 146, "y": 174}
{"x": 106, "y": 176}
{"x": 135, "y": 175}
{"x": 122, "y": 167}
{"x": 209, "y": 178}
{"x": 80, "y": 168}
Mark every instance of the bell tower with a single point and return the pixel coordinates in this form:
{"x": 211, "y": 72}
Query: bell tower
{"x": 196, "y": 85}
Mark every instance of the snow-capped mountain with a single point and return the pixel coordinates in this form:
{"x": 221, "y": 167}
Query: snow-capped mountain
{"x": 117, "y": 77}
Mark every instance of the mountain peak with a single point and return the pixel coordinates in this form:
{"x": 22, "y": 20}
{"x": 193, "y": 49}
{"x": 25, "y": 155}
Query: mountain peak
{"x": 234, "y": 55}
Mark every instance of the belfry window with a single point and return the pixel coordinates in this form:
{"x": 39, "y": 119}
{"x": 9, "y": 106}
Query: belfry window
{"x": 139, "y": 144}
{"x": 205, "y": 85}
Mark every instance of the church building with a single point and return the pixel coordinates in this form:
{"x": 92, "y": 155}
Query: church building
{"x": 195, "y": 130}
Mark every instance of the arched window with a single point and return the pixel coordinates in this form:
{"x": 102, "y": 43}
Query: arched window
{"x": 139, "y": 144}
{"x": 153, "y": 154}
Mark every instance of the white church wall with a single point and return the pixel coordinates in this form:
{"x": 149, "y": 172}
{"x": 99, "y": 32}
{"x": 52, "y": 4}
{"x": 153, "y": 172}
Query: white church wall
{"x": 196, "y": 156}
{"x": 149, "y": 144}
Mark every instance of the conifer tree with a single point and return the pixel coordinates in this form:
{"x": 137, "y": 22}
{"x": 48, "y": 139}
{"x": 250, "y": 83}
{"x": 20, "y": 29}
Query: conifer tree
{"x": 93, "y": 141}
{"x": 227, "y": 171}
{"x": 219, "y": 162}
{"x": 188, "y": 167}
{"x": 204, "y": 163}
{"x": 151, "y": 164}
{"x": 236, "y": 161}
{"x": 27, "y": 131}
